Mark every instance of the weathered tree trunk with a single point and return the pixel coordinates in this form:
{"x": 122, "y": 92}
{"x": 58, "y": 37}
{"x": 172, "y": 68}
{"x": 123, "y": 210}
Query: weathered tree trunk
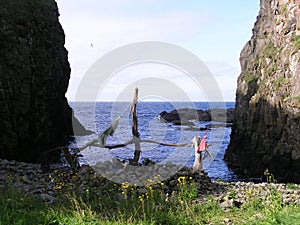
{"x": 135, "y": 132}
{"x": 198, "y": 156}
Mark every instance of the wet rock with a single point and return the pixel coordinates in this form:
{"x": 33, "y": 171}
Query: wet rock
{"x": 47, "y": 198}
{"x": 196, "y": 128}
{"x": 210, "y": 126}
{"x": 37, "y": 191}
{"x": 183, "y": 123}
{"x": 147, "y": 162}
{"x": 185, "y": 115}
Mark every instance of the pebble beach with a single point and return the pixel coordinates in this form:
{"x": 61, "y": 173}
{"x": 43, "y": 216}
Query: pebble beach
{"x": 32, "y": 180}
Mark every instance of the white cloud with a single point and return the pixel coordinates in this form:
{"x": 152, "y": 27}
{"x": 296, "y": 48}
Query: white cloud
{"x": 94, "y": 28}
{"x": 226, "y": 76}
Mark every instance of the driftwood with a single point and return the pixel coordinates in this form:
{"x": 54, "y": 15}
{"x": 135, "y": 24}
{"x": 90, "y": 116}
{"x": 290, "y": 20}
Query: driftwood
{"x": 72, "y": 159}
{"x": 135, "y": 131}
{"x": 198, "y": 155}
{"x": 101, "y": 139}
{"x": 141, "y": 141}
{"x": 165, "y": 144}
{"x": 207, "y": 152}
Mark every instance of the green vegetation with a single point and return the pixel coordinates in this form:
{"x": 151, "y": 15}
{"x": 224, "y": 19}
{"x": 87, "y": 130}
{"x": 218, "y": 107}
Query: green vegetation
{"x": 125, "y": 204}
{"x": 282, "y": 80}
{"x": 232, "y": 194}
{"x": 283, "y": 8}
{"x": 296, "y": 40}
{"x": 250, "y": 77}
{"x": 271, "y": 69}
{"x": 270, "y": 50}
{"x": 291, "y": 186}
{"x": 294, "y": 98}
{"x": 187, "y": 189}
{"x": 269, "y": 176}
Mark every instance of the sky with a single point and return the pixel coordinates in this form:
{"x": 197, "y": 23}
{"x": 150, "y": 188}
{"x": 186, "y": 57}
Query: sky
{"x": 214, "y": 31}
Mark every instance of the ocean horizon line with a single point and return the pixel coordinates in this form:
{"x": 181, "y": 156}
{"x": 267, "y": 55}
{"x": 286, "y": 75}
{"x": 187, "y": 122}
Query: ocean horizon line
{"x": 152, "y": 101}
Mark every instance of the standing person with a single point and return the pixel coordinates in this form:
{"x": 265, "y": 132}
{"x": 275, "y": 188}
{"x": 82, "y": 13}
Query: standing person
{"x": 203, "y": 147}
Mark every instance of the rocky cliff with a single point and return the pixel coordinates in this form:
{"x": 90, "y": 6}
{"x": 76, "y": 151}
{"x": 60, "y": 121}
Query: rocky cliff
{"x": 266, "y": 132}
{"x": 34, "y": 76}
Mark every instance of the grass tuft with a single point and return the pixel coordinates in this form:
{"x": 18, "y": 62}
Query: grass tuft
{"x": 127, "y": 204}
{"x": 296, "y": 40}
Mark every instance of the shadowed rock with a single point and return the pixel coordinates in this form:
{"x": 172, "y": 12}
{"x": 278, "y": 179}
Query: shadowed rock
{"x": 267, "y": 121}
{"x": 186, "y": 115}
{"x": 35, "y": 73}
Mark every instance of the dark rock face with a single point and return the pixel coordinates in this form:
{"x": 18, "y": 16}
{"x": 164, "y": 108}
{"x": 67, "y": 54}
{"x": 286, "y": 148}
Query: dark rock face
{"x": 267, "y": 121}
{"x": 34, "y": 77}
{"x": 184, "y": 115}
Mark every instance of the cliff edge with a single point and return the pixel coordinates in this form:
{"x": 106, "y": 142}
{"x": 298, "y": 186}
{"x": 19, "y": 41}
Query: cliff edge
{"x": 35, "y": 73}
{"x": 266, "y": 131}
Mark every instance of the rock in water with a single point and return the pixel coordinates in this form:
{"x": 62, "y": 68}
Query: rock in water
{"x": 267, "y": 120}
{"x": 184, "y": 115}
{"x": 34, "y": 77}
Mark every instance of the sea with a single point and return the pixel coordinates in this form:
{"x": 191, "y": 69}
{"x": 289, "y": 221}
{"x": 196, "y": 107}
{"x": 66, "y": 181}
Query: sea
{"x": 100, "y": 115}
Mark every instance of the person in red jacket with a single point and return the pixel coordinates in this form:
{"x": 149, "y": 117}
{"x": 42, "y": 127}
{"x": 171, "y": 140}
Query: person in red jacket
{"x": 203, "y": 145}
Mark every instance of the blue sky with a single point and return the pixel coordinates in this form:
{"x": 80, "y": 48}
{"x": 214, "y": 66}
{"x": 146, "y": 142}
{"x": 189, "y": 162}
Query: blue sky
{"x": 215, "y": 31}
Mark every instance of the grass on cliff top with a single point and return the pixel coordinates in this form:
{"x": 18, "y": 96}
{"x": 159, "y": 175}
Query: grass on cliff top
{"x": 124, "y": 205}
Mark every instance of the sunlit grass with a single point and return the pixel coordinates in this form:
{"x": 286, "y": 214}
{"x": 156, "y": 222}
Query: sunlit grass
{"x": 129, "y": 204}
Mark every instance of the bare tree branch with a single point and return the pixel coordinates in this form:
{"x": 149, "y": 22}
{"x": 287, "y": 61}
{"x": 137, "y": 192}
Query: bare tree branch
{"x": 135, "y": 131}
{"x": 166, "y": 144}
{"x": 120, "y": 145}
{"x": 141, "y": 141}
